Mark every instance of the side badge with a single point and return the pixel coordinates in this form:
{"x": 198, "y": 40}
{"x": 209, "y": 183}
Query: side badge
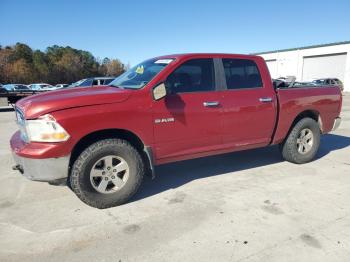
{"x": 164, "y": 120}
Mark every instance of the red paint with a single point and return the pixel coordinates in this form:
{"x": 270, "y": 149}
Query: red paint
{"x": 240, "y": 122}
{"x": 324, "y": 100}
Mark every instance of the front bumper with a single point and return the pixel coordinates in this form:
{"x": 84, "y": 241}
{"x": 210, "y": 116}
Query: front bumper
{"x": 46, "y": 170}
{"x": 38, "y": 162}
{"x": 336, "y": 123}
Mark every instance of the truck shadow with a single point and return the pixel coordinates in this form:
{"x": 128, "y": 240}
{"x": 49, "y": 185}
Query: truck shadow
{"x": 170, "y": 176}
{"x": 332, "y": 142}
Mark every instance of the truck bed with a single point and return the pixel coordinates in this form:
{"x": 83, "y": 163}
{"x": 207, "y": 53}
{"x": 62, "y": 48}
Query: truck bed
{"x": 323, "y": 101}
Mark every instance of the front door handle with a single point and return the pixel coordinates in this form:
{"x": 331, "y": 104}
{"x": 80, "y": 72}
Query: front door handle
{"x": 211, "y": 104}
{"x": 265, "y": 99}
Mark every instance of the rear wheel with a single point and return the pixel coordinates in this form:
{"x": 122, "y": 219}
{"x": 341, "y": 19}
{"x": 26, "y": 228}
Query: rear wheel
{"x": 107, "y": 173}
{"x": 302, "y": 143}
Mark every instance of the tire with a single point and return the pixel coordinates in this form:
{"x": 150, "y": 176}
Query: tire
{"x": 87, "y": 178}
{"x": 292, "y": 148}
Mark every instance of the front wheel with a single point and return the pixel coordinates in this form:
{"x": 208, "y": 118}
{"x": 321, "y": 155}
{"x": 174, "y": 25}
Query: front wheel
{"x": 302, "y": 143}
{"x": 107, "y": 173}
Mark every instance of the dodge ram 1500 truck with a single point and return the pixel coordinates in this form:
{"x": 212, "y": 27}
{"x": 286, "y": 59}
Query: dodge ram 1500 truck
{"x": 103, "y": 140}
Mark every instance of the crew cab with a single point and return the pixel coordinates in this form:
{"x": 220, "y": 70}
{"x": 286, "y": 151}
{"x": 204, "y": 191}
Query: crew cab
{"x": 104, "y": 140}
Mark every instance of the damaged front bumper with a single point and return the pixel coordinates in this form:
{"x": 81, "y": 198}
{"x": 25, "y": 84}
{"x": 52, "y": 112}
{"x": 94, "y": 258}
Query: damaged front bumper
{"x": 46, "y": 170}
{"x": 34, "y": 162}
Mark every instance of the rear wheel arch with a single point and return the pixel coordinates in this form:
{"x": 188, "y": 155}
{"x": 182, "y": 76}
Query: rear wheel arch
{"x": 302, "y": 142}
{"x": 127, "y": 135}
{"x": 313, "y": 114}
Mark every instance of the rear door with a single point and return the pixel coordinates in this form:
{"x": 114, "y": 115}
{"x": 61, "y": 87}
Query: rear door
{"x": 248, "y": 105}
{"x": 187, "y": 120}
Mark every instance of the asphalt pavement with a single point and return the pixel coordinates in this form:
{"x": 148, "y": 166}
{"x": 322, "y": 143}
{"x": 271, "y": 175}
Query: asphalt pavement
{"x": 243, "y": 206}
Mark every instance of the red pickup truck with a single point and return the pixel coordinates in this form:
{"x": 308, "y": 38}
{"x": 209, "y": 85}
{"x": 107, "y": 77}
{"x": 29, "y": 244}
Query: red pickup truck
{"x": 103, "y": 140}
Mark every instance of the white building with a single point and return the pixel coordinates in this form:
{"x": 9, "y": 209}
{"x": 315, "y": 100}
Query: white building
{"x": 311, "y": 62}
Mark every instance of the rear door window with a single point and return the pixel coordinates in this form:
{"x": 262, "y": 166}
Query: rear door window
{"x": 241, "y": 73}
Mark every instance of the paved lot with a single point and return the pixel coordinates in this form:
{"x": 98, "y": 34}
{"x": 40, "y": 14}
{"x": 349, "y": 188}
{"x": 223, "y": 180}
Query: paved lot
{"x": 247, "y": 206}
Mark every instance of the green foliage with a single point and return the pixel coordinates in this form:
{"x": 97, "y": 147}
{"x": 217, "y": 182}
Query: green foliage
{"x": 20, "y": 64}
{"x": 22, "y": 51}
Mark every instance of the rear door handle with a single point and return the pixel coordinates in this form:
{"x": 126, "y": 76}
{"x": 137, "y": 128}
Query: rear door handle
{"x": 265, "y": 99}
{"x": 211, "y": 104}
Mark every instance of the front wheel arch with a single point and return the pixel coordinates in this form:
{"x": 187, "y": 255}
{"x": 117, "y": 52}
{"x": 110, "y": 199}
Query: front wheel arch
{"x": 144, "y": 150}
{"x": 107, "y": 173}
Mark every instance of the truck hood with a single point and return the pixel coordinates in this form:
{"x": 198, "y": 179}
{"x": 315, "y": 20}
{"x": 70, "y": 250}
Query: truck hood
{"x": 37, "y": 105}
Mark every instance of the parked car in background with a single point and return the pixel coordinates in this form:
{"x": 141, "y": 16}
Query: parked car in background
{"x": 329, "y": 81}
{"x": 61, "y": 85}
{"x": 3, "y": 90}
{"x": 93, "y": 81}
{"x": 171, "y": 108}
{"x": 303, "y": 84}
{"x": 42, "y": 87}
{"x": 11, "y": 93}
{"x": 16, "y": 87}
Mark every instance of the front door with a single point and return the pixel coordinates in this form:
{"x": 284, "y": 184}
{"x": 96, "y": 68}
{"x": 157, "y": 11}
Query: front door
{"x": 187, "y": 120}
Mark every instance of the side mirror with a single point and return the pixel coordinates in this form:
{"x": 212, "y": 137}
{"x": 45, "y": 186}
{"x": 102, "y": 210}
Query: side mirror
{"x": 159, "y": 91}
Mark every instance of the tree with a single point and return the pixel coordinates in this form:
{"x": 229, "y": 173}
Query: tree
{"x": 21, "y": 72}
{"x": 114, "y": 68}
{"x": 5, "y": 57}
{"x": 20, "y": 64}
{"x": 22, "y": 51}
{"x": 41, "y": 66}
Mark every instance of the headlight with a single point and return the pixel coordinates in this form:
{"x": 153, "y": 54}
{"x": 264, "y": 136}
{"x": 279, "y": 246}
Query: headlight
{"x": 45, "y": 129}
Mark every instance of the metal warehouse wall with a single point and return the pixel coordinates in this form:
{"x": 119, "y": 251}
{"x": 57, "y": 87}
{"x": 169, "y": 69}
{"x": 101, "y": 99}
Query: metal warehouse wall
{"x": 308, "y": 63}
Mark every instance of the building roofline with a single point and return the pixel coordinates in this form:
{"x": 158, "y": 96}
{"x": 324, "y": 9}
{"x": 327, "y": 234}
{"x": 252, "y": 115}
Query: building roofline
{"x": 303, "y": 47}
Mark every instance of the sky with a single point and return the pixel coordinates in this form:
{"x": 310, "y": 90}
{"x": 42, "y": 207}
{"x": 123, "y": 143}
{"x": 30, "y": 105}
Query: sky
{"x": 135, "y": 30}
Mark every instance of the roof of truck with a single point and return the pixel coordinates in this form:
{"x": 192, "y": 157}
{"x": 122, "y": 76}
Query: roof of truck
{"x": 204, "y": 54}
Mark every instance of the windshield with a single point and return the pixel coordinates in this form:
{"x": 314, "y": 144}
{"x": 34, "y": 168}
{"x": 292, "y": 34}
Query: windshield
{"x": 138, "y": 76}
{"x": 107, "y": 81}
{"x": 19, "y": 87}
{"x": 77, "y": 83}
{"x": 319, "y": 81}
{"x": 9, "y": 87}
